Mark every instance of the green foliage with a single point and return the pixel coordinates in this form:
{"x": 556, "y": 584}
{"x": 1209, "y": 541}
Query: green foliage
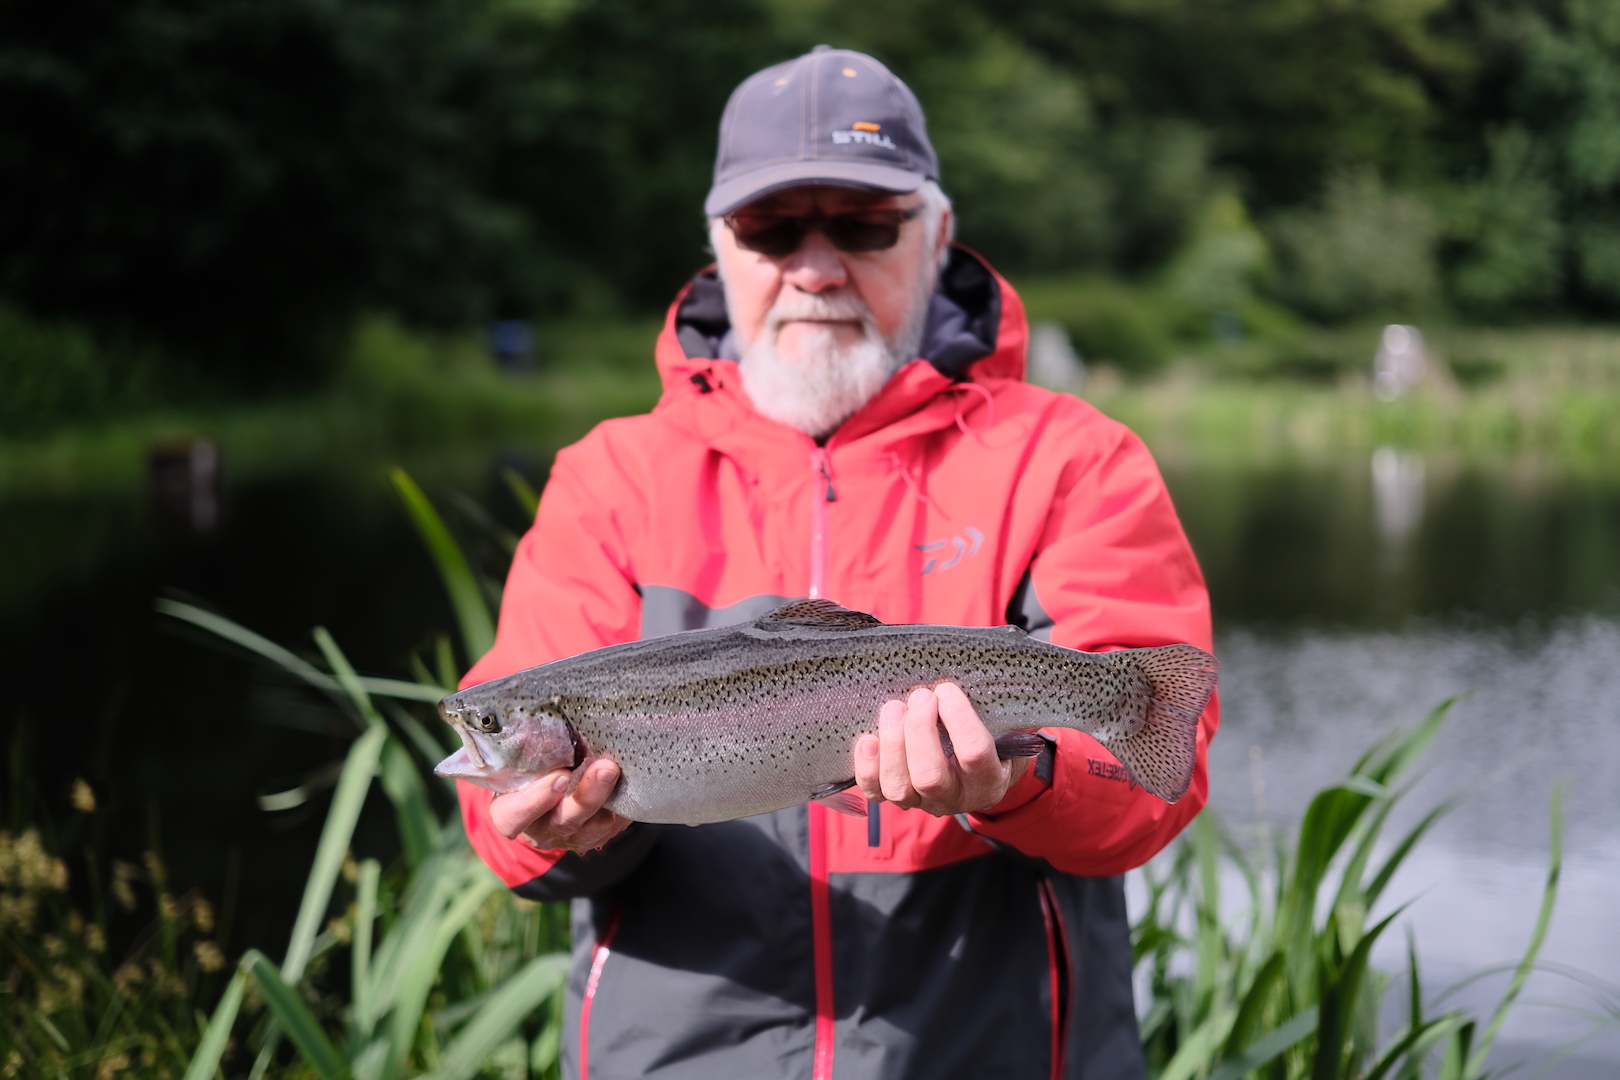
{"x": 476, "y": 625}
{"x": 235, "y": 179}
{"x": 222, "y": 192}
{"x": 71, "y": 1008}
{"x": 51, "y": 373}
{"x": 1287, "y": 988}
{"x": 459, "y": 967}
{"x": 1365, "y": 249}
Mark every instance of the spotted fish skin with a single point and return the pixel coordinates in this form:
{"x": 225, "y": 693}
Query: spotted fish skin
{"x": 711, "y": 725}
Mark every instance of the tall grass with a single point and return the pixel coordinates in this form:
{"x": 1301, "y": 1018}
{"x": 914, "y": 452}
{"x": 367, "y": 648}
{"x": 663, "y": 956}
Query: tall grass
{"x": 1285, "y": 990}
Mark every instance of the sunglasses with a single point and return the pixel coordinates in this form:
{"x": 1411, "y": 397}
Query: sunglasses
{"x": 856, "y": 230}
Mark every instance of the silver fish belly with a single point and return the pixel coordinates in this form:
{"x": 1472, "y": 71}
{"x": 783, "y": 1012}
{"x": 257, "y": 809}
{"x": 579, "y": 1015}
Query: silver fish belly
{"x": 711, "y": 725}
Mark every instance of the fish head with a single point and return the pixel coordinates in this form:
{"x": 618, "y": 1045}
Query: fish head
{"x": 507, "y": 739}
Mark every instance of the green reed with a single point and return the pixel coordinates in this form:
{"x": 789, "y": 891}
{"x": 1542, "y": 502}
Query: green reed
{"x": 1285, "y": 990}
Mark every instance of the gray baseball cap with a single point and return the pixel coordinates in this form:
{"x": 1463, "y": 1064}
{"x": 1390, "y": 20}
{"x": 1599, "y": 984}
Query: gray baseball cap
{"x": 832, "y": 116}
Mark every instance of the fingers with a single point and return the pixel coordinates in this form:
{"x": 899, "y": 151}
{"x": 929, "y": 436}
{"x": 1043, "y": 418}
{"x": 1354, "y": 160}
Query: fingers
{"x": 906, "y": 764}
{"x": 866, "y": 766}
{"x": 933, "y": 776}
{"x": 515, "y": 811}
{"x": 894, "y": 779}
{"x": 981, "y": 776}
{"x": 574, "y": 821}
{"x": 594, "y": 832}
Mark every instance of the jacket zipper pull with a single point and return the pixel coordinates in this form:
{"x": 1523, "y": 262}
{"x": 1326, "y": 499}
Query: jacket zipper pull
{"x": 824, "y": 467}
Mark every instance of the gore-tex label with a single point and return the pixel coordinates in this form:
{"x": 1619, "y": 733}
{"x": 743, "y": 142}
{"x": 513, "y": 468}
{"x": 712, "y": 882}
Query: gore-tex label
{"x": 1109, "y": 770}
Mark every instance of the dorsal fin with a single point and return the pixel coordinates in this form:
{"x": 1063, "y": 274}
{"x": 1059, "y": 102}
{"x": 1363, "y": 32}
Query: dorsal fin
{"x": 820, "y": 614}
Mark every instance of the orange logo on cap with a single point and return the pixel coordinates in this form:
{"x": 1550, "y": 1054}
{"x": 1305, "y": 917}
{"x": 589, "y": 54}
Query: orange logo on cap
{"x": 865, "y": 125}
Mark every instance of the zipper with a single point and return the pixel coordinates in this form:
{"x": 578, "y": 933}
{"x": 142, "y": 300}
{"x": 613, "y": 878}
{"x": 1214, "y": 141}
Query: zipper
{"x": 1057, "y": 960}
{"x": 822, "y": 492}
{"x": 599, "y": 957}
{"x": 821, "y": 942}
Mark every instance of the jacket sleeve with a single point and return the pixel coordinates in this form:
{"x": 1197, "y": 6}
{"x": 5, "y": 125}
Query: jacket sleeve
{"x": 571, "y": 589}
{"x": 1113, "y": 570}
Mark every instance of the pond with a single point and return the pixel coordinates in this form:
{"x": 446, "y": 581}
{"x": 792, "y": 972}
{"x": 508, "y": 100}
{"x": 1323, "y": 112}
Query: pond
{"x": 1351, "y": 597}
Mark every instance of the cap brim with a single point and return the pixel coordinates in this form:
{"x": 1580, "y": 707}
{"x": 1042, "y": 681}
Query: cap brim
{"x": 739, "y": 190}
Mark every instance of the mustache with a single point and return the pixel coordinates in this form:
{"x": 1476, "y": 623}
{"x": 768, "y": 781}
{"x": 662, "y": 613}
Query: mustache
{"x": 837, "y": 305}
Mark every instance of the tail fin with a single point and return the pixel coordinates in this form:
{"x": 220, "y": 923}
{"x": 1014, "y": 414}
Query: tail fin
{"x": 1162, "y": 753}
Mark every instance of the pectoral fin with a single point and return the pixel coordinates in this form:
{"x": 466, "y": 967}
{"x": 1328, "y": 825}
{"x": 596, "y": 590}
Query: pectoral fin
{"x": 842, "y": 798}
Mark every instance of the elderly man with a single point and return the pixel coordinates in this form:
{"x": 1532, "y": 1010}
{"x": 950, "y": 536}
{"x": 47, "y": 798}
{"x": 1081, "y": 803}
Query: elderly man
{"x": 844, "y": 416}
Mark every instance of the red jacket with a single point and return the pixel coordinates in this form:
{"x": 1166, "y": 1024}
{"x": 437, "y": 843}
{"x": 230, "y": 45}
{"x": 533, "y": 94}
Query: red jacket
{"x": 959, "y": 494}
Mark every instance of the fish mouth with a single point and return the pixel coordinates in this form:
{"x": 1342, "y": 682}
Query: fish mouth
{"x": 469, "y": 763}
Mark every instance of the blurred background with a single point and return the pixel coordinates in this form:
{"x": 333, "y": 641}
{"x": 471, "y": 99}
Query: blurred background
{"x": 1352, "y": 269}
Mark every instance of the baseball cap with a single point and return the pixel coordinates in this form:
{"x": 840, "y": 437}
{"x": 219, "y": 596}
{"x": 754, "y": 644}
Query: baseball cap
{"x": 832, "y": 116}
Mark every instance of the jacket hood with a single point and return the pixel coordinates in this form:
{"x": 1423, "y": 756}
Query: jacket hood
{"x": 975, "y": 330}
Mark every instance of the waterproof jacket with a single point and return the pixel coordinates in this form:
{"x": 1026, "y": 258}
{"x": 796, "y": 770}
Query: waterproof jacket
{"x": 804, "y": 943}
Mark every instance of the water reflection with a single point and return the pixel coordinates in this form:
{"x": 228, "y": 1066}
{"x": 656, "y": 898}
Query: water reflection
{"x": 1310, "y": 545}
{"x": 184, "y": 479}
{"x": 1397, "y": 477}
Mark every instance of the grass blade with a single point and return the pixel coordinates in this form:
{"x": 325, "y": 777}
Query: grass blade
{"x": 1414, "y": 1044}
{"x": 295, "y": 1018}
{"x": 205, "y": 1062}
{"x": 466, "y": 597}
{"x": 522, "y": 491}
{"x": 399, "y": 688}
{"x": 418, "y": 828}
{"x": 238, "y": 634}
{"x": 501, "y": 1014}
{"x": 1403, "y": 849}
{"x": 1268, "y": 1047}
{"x": 1270, "y": 977}
{"x": 1200, "y": 1046}
{"x": 1549, "y": 898}
{"x": 365, "y": 920}
{"x": 418, "y": 976}
{"x": 358, "y": 770}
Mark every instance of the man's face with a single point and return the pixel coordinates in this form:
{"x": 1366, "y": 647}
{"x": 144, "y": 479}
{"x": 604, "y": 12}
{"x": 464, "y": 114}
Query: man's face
{"x": 821, "y": 330}
{"x": 885, "y": 281}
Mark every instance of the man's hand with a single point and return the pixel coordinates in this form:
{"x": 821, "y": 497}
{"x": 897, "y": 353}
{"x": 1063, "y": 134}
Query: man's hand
{"x": 906, "y": 764}
{"x": 545, "y": 815}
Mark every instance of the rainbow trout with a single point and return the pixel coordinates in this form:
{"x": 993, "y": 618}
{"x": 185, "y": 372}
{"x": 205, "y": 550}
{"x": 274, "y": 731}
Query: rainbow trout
{"x": 711, "y": 725}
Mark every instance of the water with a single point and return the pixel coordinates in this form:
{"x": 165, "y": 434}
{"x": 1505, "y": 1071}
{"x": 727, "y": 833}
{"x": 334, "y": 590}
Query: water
{"x": 1350, "y": 597}
{"x": 1350, "y": 600}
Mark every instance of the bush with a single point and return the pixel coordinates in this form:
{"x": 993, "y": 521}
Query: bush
{"x": 51, "y": 374}
{"x": 1366, "y": 249}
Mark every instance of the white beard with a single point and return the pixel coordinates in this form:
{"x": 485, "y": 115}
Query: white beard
{"x": 818, "y": 391}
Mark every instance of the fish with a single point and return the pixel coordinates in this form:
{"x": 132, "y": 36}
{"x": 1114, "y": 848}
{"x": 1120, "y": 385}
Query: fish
{"x": 712, "y": 725}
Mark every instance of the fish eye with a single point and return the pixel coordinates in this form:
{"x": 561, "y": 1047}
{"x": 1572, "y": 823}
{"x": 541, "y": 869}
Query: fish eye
{"x": 489, "y": 722}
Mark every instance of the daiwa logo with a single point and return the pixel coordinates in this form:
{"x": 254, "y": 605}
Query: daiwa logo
{"x": 962, "y": 547}
{"x": 864, "y": 131}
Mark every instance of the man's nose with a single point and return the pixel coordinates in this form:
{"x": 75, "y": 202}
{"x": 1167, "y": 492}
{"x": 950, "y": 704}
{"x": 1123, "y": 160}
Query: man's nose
{"x": 816, "y": 266}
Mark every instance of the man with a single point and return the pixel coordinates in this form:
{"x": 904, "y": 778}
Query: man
{"x": 844, "y": 416}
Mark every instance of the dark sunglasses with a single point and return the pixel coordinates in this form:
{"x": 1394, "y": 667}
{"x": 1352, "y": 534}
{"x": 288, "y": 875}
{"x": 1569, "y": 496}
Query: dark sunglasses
{"x": 855, "y": 230}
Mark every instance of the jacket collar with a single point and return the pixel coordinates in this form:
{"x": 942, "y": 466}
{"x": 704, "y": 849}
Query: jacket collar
{"x": 975, "y": 332}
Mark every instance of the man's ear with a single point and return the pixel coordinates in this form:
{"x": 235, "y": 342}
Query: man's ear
{"x": 942, "y": 241}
